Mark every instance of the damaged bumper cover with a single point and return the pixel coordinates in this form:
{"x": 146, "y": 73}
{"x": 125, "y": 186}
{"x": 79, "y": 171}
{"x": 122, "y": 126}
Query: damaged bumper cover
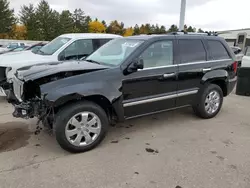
{"x": 24, "y": 109}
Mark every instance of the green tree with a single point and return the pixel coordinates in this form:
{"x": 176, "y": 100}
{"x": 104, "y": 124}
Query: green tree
{"x": 27, "y": 17}
{"x": 190, "y": 29}
{"x": 104, "y": 23}
{"x": 200, "y": 31}
{"x": 7, "y": 18}
{"x": 47, "y": 21}
{"x": 148, "y": 28}
{"x": 157, "y": 29}
{"x": 136, "y": 30}
{"x": 66, "y": 22}
{"x": 152, "y": 28}
{"x": 162, "y": 29}
{"x": 81, "y": 21}
{"x": 173, "y": 28}
{"x": 115, "y": 27}
{"x": 142, "y": 29}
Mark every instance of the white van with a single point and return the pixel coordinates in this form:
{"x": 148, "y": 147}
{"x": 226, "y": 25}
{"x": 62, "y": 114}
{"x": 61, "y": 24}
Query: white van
{"x": 65, "y": 47}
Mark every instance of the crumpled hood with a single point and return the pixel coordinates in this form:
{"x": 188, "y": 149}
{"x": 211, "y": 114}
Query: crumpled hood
{"x": 45, "y": 69}
{"x": 22, "y": 58}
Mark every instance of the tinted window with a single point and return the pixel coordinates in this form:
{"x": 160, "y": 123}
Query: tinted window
{"x": 217, "y": 50}
{"x": 192, "y": 51}
{"x": 241, "y": 39}
{"x": 104, "y": 41}
{"x": 158, "y": 54}
{"x": 78, "y": 49}
{"x": 99, "y": 42}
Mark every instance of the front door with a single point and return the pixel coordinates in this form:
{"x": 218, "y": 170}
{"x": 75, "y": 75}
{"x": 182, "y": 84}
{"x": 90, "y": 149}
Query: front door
{"x": 153, "y": 88}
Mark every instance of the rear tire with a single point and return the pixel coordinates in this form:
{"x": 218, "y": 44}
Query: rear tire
{"x": 80, "y": 127}
{"x": 210, "y": 100}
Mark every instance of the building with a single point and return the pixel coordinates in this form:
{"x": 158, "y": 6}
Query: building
{"x": 240, "y": 37}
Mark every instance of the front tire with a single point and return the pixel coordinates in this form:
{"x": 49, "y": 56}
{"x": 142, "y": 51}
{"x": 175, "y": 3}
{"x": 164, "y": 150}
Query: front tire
{"x": 210, "y": 100}
{"x": 80, "y": 127}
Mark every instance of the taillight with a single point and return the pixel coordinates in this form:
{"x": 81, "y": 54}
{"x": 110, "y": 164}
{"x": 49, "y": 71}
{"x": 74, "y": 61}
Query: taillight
{"x": 235, "y": 66}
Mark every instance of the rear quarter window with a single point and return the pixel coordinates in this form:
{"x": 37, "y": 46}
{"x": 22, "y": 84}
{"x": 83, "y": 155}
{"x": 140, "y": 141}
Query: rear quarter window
{"x": 217, "y": 50}
{"x": 192, "y": 50}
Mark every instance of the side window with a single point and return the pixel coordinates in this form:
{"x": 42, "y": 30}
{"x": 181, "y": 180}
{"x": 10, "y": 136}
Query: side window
{"x": 85, "y": 47}
{"x": 97, "y": 43}
{"x": 104, "y": 41}
{"x": 70, "y": 52}
{"x": 192, "y": 51}
{"x": 78, "y": 49}
{"x": 158, "y": 54}
{"x": 217, "y": 50}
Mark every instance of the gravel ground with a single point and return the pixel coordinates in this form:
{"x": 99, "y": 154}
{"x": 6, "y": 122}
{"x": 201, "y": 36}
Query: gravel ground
{"x": 172, "y": 150}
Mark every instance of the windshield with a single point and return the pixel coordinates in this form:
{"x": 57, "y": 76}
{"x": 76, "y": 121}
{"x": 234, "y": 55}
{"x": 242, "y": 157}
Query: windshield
{"x": 53, "y": 46}
{"x": 114, "y": 52}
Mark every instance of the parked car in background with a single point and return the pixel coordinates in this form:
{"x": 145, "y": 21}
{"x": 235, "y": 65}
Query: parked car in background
{"x": 33, "y": 47}
{"x": 125, "y": 78}
{"x": 246, "y": 58}
{"x": 65, "y": 47}
{"x": 14, "y": 45}
{"x": 238, "y": 54}
{"x": 13, "y": 50}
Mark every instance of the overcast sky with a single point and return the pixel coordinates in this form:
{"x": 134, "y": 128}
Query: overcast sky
{"x": 205, "y": 14}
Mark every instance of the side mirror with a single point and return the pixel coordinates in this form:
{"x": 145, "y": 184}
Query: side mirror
{"x": 135, "y": 65}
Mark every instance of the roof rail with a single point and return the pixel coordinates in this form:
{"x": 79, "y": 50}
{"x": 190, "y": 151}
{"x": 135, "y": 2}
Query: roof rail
{"x": 193, "y": 33}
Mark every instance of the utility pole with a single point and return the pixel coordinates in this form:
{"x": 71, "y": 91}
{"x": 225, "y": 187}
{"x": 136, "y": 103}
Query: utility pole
{"x": 182, "y": 15}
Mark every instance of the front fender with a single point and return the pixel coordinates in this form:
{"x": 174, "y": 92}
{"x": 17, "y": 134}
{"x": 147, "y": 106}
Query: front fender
{"x": 82, "y": 89}
{"x": 215, "y": 75}
{"x": 61, "y": 95}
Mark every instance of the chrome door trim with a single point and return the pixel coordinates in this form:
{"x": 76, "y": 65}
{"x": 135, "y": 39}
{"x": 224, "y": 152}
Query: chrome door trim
{"x": 155, "y": 99}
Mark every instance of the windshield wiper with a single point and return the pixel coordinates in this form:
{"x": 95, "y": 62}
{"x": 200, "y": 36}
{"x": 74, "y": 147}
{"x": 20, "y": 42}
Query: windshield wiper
{"x": 93, "y": 61}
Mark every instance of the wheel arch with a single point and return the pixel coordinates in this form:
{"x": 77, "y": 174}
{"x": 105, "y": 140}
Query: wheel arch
{"x": 98, "y": 99}
{"x": 217, "y": 77}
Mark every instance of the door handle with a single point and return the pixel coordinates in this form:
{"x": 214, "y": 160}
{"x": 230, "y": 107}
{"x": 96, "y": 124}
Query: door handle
{"x": 169, "y": 75}
{"x": 206, "y": 70}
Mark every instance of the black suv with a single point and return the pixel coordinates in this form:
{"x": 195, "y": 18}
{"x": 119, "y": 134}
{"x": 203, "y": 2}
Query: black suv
{"x": 126, "y": 78}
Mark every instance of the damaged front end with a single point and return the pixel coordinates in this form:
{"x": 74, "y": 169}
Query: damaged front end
{"x": 27, "y": 100}
{"x": 28, "y": 92}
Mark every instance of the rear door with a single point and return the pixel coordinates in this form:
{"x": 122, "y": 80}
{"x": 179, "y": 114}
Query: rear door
{"x": 192, "y": 65}
{"x": 198, "y": 56}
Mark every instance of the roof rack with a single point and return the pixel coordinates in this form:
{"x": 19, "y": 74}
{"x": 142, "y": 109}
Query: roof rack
{"x": 192, "y": 33}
